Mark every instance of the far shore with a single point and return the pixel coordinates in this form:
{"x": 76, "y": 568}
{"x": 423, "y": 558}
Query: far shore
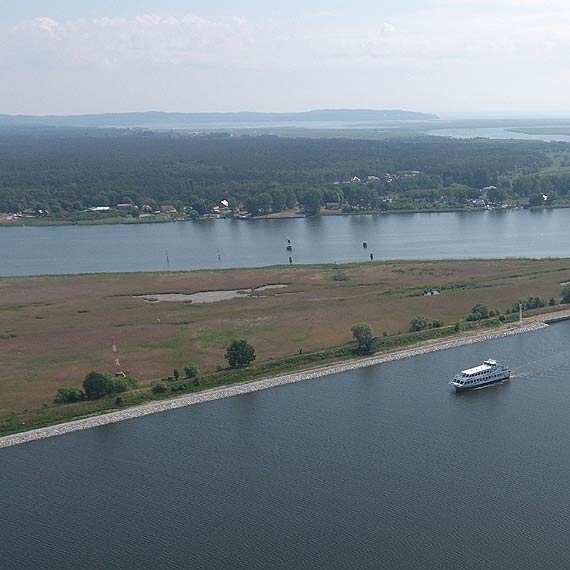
{"x": 531, "y": 324}
{"x": 289, "y": 215}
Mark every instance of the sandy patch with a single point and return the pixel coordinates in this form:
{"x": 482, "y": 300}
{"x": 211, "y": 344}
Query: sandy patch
{"x": 207, "y": 296}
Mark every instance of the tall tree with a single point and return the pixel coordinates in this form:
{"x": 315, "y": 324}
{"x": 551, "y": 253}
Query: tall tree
{"x": 240, "y": 354}
{"x": 362, "y": 333}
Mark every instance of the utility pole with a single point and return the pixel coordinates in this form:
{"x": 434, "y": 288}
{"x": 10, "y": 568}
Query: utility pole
{"x": 118, "y": 369}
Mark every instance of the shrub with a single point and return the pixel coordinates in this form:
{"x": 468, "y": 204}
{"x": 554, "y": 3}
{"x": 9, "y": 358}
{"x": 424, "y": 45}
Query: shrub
{"x": 340, "y": 276}
{"x": 158, "y": 389}
{"x": 97, "y": 385}
{"x": 566, "y": 295}
{"x": 418, "y": 324}
{"x": 191, "y": 370}
{"x": 120, "y": 384}
{"x": 480, "y": 312}
{"x": 67, "y": 395}
{"x": 528, "y": 304}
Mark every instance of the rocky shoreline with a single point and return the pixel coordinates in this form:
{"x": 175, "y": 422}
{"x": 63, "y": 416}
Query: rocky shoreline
{"x": 244, "y": 388}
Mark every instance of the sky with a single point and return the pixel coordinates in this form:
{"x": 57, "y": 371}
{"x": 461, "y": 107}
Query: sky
{"x": 443, "y": 56}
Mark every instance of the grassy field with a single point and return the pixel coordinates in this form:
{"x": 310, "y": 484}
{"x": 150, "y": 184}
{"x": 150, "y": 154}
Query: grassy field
{"x": 53, "y": 330}
{"x": 557, "y": 166}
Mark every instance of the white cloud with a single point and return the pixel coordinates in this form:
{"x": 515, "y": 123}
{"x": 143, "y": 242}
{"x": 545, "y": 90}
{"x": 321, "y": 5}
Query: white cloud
{"x": 388, "y": 28}
{"x": 452, "y": 46}
{"x": 444, "y": 32}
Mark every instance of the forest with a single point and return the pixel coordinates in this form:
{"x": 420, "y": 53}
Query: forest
{"x": 67, "y": 170}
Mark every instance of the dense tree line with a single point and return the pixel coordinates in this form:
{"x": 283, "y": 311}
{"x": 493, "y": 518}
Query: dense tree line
{"x": 544, "y": 188}
{"x": 67, "y": 170}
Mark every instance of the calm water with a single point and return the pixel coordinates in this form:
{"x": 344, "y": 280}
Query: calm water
{"x": 383, "y": 467}
{"x": 195, "y": 245}
{"x": 502, "y": 133}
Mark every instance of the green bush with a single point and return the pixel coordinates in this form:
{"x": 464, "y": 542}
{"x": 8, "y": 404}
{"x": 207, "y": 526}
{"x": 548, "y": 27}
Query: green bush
{"x": 191, "y": 370}
{"x": 418, "y": 324}
{"x": 481, "y": 312}
{"x": 528, "y": 304}
{"x": 159, "y": 389}
{"x": 67, "y": 395}
{"x": 340, "y": 276}
{"x": 120, "y": 384}
{"x": 97, "y": 385}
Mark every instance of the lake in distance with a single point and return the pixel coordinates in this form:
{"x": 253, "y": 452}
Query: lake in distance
{"x": 382, "y": 467}
{"x": 211, "y": 244}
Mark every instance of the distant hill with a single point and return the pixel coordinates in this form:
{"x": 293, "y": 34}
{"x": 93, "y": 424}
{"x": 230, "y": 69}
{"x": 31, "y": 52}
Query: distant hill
{"x": 159, "y": 119}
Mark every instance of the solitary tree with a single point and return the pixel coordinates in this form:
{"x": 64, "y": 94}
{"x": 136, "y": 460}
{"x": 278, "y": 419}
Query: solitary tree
{"x": 176, "y": 374}
{"x": 362, "y": 333}
{"x": 240, "y": 354}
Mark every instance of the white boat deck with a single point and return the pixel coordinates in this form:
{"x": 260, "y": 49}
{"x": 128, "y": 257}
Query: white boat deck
{"x": 474, "y": 370}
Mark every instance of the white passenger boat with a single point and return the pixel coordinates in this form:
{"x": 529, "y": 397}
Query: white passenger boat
{"x": 487, "y": 373}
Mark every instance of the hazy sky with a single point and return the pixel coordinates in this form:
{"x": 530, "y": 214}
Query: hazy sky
{"x": 76, "y": 56}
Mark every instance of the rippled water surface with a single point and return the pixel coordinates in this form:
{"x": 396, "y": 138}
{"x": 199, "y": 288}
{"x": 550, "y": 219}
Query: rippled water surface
{"x": 384, "y": 467}
{"x": 253, "y": 243}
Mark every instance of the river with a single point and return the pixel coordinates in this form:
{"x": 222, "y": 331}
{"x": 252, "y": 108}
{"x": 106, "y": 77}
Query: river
{"x": 237, "y": 243}
{"x": 381, "y": 467}
{"x": 499, "y": 133}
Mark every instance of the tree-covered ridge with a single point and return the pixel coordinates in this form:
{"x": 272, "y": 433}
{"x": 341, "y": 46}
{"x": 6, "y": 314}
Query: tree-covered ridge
{"x": 73, "y": 169}
{"x": 160, "y": 119}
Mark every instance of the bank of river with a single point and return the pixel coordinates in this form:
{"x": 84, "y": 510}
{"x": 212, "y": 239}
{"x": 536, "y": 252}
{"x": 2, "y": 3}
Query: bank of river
{"x": 244, "y": 388}
{"x": 257, "y": 243}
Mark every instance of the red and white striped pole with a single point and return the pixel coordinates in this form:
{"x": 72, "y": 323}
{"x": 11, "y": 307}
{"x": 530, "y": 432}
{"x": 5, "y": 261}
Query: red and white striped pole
{"x": 118, "y": 369}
